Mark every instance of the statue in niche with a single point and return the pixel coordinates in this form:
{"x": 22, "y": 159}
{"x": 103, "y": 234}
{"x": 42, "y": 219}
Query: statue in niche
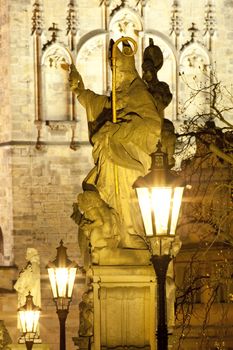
{"x": 5, "y": 338}
{"x": 29, "y": 280}
{"x": 86, "y": 314}
{"x": 121, "y": 150}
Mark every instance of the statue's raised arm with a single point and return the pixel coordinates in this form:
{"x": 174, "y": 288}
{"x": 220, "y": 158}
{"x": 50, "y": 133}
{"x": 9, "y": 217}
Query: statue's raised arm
{"x": 75, "y": 80}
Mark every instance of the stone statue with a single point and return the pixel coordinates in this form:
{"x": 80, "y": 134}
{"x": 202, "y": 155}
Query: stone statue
{"x": 121, "y": 150}
{"x": 99, "y": 223}
{"x": 152, "y": 62}
{"x": 86, "y": 314}
{"x": 29, "y": 279}
{"x": 5, "y": 338}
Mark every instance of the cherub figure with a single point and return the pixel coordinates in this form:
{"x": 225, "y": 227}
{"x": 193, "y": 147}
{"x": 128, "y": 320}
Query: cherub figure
{"x": 99, "y": 223}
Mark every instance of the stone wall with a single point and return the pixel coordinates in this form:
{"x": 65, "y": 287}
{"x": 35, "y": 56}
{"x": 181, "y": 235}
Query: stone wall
{"x": 45, "y": 185}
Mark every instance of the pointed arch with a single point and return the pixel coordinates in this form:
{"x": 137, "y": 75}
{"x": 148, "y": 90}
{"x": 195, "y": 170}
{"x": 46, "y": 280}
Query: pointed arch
{"x": 197, "y": 49}
{"x": 125, "y": 22}
{"x": 56, "y": 96}
{"x": 195, "y": 63}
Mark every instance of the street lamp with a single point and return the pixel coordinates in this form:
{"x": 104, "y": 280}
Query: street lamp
{"x": 62, "y": 273}
{"x": 160, "y": 194}
{"x": 29, "y": 315}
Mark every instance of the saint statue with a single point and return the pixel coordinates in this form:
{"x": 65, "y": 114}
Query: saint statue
{"x": 29, "y": 279}
{"x": 121, "y": 149}
{"x": 86, "y": 307}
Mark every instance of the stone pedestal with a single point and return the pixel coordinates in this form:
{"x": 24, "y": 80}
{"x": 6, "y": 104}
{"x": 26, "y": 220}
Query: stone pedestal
{"x": 124, "y": 288}
{"x": 124, "y": 307}
{"x": 124, "y": 299}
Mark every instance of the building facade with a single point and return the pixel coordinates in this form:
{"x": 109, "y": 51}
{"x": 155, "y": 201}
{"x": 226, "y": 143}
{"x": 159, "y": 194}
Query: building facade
{"x": 44, "y": 148}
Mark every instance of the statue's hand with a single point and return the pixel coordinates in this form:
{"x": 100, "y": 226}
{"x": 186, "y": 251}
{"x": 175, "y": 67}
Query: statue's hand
{"x": 75, "y": 80}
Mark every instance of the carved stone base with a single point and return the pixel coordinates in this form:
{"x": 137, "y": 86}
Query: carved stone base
{"x": 123, "y": 298}
{"x": 124, "y": 307}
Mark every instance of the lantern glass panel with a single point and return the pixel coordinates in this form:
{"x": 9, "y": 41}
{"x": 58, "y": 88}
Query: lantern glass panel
{"x": 29, "y": 320}
{"x": 72, "y": 274}
{"x": 53, "y": 282}
{"x": 144, "y": 200}
{"x": 177, "y": 199}
{"x": 62, "y": 281}
{"x": 161, "y": 206}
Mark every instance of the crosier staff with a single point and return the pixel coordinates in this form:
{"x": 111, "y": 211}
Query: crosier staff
{"x": 114, "y": 48}
{"x": 114, "y": 114}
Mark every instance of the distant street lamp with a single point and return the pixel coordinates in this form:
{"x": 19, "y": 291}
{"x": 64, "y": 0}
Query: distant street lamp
{"x": 160, "y": 194}
{"x": 29, "y": 315}
{"x": 62, "y": 273}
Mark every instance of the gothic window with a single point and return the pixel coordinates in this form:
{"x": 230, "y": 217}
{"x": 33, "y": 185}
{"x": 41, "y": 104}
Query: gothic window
{"x": 56, "y": 99}
{"x": 195, "y": 74}
{"x": 91, "y": 62}
{"x": 127, "y": 22}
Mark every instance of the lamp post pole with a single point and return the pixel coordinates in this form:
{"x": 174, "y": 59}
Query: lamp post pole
{"x": 160, "y": 264}
{"x": 160, "y": 194}
{"x": 62, "y": 273}
{"x": 29, "y": 344}
{"x": 62, "y": 315}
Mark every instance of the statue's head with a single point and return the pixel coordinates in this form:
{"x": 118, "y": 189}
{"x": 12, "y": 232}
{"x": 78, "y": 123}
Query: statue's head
{"x": 152, "y": 62}
{"x": 125, "y": 63}
{"x": 153, "y": 54}
{"x": 32, "y": 255}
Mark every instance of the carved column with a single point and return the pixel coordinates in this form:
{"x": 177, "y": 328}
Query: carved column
{"x": 210, "y": 24}
{"x": 175, "y": 23}
{"x": 37, "y": 25}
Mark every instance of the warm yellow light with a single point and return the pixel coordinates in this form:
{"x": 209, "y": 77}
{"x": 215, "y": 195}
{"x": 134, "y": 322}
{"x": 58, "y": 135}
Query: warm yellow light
{"x": 52, "y": 278}
{"x": 72, "y": 274}
{"x": 160, "y": 208}
{"x": 144, "y": 200}
{"x": 62, "y": 281}
{"x": 29, "y": 320}
{"x": 177, "y": 200}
